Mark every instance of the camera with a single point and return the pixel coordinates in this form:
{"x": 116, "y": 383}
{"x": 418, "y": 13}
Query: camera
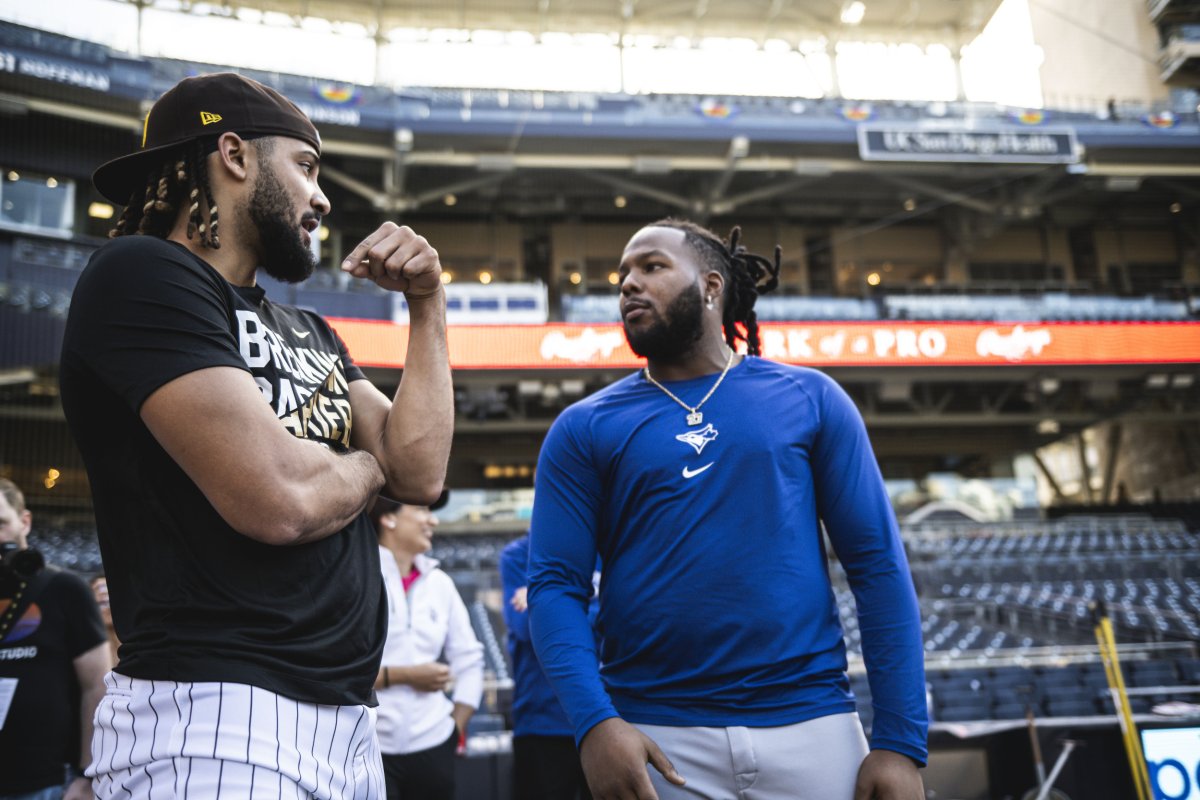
{"x": 18, "y": 563}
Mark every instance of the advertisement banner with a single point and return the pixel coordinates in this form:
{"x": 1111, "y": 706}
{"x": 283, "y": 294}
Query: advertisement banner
{"x": 818, "y": 344}
{"x": 880, "y": 142}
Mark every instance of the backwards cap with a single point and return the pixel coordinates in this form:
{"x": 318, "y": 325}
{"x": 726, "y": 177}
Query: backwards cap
{"x": 207, "y": 105}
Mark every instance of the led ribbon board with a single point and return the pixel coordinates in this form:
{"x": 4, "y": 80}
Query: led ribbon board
{"x": 817, "y": 344}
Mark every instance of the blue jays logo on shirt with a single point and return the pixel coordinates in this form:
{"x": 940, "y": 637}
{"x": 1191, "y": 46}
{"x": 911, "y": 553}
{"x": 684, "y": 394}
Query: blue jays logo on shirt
{"x": 698, "y": 439}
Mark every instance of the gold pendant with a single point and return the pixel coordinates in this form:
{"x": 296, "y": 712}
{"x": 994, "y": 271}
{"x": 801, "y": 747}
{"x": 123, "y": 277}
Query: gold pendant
{"x": 695, "y": 418}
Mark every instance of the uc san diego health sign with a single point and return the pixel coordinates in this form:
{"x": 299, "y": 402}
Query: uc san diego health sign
{"x": 887, "y": 142}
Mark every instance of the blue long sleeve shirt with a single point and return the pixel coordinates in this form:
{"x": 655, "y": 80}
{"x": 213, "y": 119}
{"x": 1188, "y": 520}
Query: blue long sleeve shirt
{"x": 715, "y": 606}
{"x": 536, "y": 710}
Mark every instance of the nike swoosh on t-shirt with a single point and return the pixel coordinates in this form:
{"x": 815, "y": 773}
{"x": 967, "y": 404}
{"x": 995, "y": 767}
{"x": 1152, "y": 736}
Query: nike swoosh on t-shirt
{"x": 691, "y": 473}
{"x": 301, "y": 334}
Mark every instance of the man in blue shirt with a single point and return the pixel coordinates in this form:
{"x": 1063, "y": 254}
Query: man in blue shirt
{"x": 702, "y": 483}
{"x": 545, "y": 761}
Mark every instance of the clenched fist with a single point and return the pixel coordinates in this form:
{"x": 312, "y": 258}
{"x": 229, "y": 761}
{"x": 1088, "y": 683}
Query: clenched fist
{"x": 398, "y": 260}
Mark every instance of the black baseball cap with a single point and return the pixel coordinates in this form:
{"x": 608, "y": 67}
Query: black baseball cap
{"x": 202, "y": 106}
{"x": 385, "y": 505}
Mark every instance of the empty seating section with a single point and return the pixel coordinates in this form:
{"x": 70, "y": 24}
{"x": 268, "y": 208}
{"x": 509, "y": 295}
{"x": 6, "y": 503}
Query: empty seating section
{"x": 75, "y": 550}
{"x": 1006, "y": 611}
{"x": 815, "y": 309}
{"x": 38, "y": 275}
{"x": 1046, "y": 307}
{"x": 1049, "y": 307}
{"x": 494, "y": 655}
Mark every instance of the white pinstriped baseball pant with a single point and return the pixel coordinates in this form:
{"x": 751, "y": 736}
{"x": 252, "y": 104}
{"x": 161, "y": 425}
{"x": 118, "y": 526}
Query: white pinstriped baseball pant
{"x": 168, "y": 739}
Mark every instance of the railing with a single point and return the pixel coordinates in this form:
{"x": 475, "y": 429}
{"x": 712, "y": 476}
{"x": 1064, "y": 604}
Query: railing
{"x": 1050, "y": 655}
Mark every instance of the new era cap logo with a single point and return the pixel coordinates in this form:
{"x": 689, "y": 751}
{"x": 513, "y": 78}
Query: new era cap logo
{"x": 207, "y": 118}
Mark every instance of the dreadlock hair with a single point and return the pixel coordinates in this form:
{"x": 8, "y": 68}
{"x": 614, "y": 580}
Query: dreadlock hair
{"x": 181, "y": 178}
{"x": 746, "y": 274}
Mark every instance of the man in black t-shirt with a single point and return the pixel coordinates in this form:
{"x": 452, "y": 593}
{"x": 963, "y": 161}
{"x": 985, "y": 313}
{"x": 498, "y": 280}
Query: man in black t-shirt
{"x": 232, "y": 447}
{"x": 53, "y": 656}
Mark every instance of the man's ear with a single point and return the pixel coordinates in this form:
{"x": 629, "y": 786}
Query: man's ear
{"x": 231, "y": 155}
{"x": 26, "y": 527}
{"x": 714, "y": 285}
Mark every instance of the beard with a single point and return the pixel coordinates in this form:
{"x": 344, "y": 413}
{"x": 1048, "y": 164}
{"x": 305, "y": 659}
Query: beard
{"x": 284, "y": 255}
{"x": 675, "y": 333}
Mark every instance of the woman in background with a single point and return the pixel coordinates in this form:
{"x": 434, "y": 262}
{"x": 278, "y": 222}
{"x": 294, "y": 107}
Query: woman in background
{"x": 430, "y": 650}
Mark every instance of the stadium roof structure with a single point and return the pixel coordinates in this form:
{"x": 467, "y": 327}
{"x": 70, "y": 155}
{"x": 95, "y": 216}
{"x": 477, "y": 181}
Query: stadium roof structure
{"x": 882, "y": 20}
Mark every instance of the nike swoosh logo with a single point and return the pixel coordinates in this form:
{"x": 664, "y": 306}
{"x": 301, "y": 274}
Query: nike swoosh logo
{"x": 691, "y": 473}
{"x": 301, "y": 334}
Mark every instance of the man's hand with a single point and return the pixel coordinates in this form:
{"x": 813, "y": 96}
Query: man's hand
{"x": 79, "y": 789}
{"x": 887, "y": 775}
{"x": 520, "y": 599}
{"x": 614, "y": 756}
{"x": 398, "y": 260}
{"x": 431, "y": 677}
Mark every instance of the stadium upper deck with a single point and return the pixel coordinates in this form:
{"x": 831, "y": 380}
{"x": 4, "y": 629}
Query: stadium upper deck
{"x": 938, "y": 291}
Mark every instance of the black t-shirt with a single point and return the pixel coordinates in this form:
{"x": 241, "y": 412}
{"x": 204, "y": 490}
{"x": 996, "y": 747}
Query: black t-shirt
{"x": 193, "y": 599}
{"x": 41, "y": 733}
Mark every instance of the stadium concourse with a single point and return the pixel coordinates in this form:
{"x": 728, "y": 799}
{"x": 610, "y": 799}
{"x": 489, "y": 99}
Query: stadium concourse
{"x": 1010, "y": 295}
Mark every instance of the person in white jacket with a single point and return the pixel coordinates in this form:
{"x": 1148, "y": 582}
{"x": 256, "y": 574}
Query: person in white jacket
{"x": 430, "y": 649}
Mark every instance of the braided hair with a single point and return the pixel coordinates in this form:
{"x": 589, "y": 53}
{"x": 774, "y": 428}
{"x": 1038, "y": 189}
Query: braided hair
{"x": 746, "y": 274}
{"x": 181, "y": 178}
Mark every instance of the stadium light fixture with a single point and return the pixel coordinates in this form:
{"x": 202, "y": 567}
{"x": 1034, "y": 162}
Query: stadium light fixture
{"x": 447, "y": 277}
{"x": 619, "y": 201}
{"x": 17, "y": 377}
{"x": 450, "y": 200}
{"x": 614, "y": 278}
{"x": 1123, "y": 183}
{"x": 1048, "y": 427}
{"x": 322, "y": 234}
{"x": 100, "y": 211}
{"x": 13, "y": 175}
{"x": 874, "y": 279}
{"x": 910, "y": 204}
{"x": 1176, "y": 208}
{"x": 1182, "y": 380}
{"x": 51, "y": 183}
{"x": 485, "y": 277}
{"x": 575, "y": 279}
{"x": 853, "y": 12}
{"x": 651, "y": 165}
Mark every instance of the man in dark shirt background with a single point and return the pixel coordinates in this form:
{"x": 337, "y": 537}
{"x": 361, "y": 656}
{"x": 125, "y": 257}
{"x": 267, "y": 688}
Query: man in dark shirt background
{"x": 53, "y": 656}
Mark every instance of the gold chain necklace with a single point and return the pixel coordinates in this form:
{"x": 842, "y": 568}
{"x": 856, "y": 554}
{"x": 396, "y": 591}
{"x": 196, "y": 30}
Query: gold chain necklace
{"x": 694, "y": 416}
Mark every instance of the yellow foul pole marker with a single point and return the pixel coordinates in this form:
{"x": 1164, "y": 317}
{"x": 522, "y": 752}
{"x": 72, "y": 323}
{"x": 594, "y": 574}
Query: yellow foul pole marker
{"x": 1116, "y": 684}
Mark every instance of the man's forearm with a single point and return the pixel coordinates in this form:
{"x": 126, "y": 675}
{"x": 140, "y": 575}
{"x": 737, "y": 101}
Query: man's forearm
{"x": 420, "y": 423}
{"x": 333, "y": 496}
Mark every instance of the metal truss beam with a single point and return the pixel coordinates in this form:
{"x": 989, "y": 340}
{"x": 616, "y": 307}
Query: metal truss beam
{"x": 634, "y": 187}
{"x": 949, "y": 195}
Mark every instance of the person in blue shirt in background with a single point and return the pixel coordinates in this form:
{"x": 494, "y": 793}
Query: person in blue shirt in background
{"x": 702, "y": 483}
{"x": 545, "y": 762}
